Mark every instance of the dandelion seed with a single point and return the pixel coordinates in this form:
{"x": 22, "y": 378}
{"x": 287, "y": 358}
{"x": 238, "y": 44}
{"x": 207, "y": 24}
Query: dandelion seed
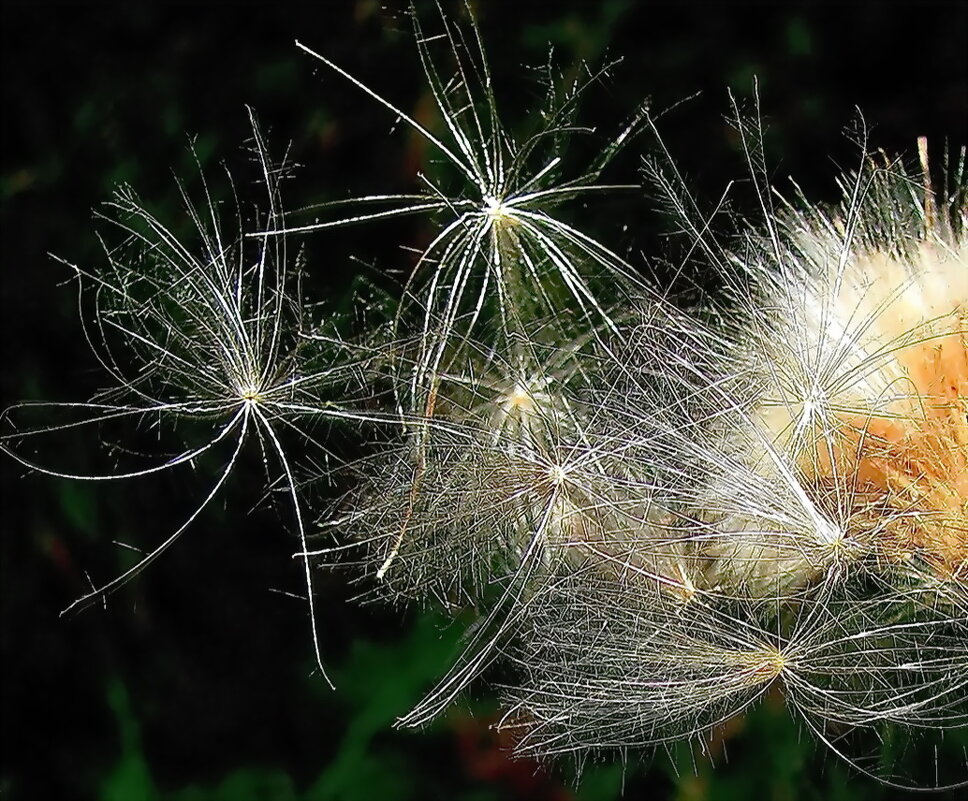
{"x": 200, "y": 333}
{"x": 501, "y": 254}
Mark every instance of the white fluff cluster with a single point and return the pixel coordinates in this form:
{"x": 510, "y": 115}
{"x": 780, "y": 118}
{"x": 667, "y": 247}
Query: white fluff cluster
{"x": 660, "y": 514}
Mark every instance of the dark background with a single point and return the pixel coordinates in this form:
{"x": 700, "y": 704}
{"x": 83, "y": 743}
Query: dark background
{"x": 194, "y": 682}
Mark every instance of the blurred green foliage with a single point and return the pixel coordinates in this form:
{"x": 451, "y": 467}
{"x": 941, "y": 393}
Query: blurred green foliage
{"x": 192, "y": 682}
